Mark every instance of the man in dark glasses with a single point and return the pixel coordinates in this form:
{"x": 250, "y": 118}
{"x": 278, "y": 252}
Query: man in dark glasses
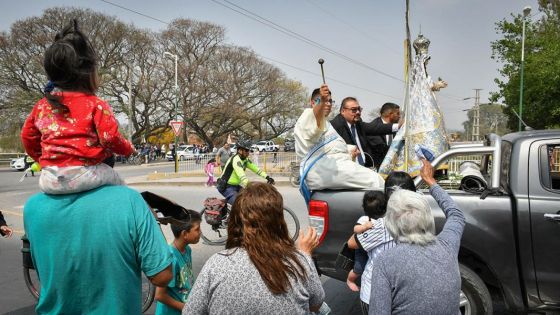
{"x": 349, "y": 125}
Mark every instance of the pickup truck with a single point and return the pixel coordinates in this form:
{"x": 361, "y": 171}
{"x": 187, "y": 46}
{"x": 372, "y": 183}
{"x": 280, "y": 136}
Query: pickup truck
{"x": 511, "y": 242}
{"x": 265, "y": 146}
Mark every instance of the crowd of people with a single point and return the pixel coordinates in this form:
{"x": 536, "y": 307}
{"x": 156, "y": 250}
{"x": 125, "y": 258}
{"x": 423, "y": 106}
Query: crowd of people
{"x": 102, "y": 235}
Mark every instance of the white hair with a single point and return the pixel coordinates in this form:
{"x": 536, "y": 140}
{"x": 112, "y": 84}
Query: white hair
{"x": 409, "y": 218}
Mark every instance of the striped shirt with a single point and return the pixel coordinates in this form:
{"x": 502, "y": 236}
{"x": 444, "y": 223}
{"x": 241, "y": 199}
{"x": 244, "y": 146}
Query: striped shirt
{"x": 373, "y": 241}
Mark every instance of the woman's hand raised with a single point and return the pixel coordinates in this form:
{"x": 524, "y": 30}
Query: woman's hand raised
{"x": 309, "y": 241}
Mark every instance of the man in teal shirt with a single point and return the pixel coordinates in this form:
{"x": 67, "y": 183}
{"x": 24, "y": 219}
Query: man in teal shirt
{"x": 90, "y": 248}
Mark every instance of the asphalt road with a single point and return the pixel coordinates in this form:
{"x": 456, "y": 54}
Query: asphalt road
{"x": 14, "y": 297}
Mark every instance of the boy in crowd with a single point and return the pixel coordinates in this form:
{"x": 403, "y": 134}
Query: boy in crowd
{"x": 171, "y": 299}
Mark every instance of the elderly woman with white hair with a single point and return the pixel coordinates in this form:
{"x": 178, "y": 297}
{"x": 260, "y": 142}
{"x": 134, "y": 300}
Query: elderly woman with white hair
{"x": 421, "y": 274}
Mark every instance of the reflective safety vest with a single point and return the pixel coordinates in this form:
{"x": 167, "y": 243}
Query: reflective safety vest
{"x": 234, "y": 171}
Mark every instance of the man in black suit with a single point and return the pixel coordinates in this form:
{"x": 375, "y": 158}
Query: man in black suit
{"x": 379, "y": 144}
{"x": 349, "y": 125}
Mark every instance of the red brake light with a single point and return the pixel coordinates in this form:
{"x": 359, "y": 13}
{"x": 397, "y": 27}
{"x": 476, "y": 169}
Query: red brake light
{"x": 319, "y": 217}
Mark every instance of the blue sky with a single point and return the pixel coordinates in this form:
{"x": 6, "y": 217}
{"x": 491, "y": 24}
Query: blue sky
{"x": 369, "y": 32}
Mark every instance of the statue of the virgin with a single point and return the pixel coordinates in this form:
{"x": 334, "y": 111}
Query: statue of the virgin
{"x": 423, "y": 119}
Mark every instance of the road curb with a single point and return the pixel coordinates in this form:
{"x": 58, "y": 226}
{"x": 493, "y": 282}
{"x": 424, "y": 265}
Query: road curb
{"x": 199, "y": 184}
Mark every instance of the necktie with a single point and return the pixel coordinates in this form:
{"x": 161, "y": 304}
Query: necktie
{"x": 389, "y": 139}
{"x": 353, "y": 129}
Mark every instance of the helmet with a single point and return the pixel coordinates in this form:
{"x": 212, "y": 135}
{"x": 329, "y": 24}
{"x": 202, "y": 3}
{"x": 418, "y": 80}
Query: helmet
{"x": 244, "y": 144}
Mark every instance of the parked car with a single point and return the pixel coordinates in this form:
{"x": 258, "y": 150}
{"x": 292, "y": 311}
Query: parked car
{"x": 289, "y": 145}
{"x": 511, "y": 241}
{"x": 184, "y": 152}
{"x": 265, "y": 146}
{"x": 18, "y": 164}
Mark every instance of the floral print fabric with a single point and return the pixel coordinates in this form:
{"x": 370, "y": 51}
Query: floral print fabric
{"x": 85, "y": 135}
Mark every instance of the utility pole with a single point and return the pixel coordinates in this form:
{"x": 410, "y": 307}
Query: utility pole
{"x": 476, "y": 116}
{"x": 526, "y": 12}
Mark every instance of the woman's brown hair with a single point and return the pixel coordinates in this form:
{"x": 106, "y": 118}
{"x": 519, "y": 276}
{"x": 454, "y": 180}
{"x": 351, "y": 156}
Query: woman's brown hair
{"x": 256, "y": 223}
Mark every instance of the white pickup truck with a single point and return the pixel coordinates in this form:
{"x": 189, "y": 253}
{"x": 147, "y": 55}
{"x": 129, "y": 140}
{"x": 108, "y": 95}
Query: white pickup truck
{"x": 265, "y": 146}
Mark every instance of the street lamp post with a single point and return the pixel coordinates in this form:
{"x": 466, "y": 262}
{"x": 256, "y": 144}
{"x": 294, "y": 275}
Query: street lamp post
{"x": 176, "y": 105}
{"x": 130, "y": 111}
{"x": 526, "y": 12}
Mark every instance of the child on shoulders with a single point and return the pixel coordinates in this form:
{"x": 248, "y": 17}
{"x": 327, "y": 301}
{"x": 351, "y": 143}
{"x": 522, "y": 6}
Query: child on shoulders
{"x": 70, "y": 131}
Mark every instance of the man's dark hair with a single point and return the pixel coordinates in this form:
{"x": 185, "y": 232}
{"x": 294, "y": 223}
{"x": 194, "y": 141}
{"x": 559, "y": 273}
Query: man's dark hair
{"x": 315, "y": 93}
{"x": 345, "y": 100}
{"x": 398, "y": 179}
{"x": 187, "y": 223}
{"x": 374, "y": 204}
{"x": 387, "y": 107}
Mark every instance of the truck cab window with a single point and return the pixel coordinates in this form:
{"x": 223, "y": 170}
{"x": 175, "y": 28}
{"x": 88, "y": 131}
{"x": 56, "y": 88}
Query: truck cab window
{"x": 550, "y": 166}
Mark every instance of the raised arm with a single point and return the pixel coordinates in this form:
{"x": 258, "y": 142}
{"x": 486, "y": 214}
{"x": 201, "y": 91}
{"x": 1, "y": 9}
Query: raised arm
{"x": 454, "y": 225}
{"x": 375, "y": 129}
{"x": 323, "y": 109}
{"x": 108, "y": 130}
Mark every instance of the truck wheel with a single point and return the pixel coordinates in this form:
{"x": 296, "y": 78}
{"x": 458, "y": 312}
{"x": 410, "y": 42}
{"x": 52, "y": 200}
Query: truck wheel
{"x": 475, "y": 297}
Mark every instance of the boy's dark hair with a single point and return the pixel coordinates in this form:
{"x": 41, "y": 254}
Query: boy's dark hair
{"x": 374, "y": 204}
{"x": 398, "y": 179}
{"x": 187, "y": 224}
{"x": 315, "y": 93}
{"x": 70, "y": 63}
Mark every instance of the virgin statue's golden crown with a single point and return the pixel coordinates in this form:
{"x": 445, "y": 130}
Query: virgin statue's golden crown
{"x": 421, "y": 44}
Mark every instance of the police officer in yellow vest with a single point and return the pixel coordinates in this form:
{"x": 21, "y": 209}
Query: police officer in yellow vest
{"x": 233, "y": 176}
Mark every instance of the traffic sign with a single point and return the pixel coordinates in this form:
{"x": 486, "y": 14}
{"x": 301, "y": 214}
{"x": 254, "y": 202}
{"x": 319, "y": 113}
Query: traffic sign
{"x": 176, "y": 126}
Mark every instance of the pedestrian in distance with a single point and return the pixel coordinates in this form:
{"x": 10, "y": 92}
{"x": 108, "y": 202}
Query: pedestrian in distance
{"x": 222, "y": 156}
{"x": 261, "y": 270}
{"x": 186, "y": 231}
{"x": 70, "y": 131}
{"x": 5, "y": 230}
{"x": 209, "y": 170}
{"x": 90, "y": 246}
{"x": 163, "y": 151}
{"x": 28, "y": 160}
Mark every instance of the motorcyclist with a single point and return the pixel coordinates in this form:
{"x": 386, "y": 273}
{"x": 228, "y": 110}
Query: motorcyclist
{"x": 233, "y": 177}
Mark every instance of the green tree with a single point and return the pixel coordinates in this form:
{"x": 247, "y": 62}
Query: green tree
{"x": 223, "y": 88}
{"x": 541, "y": 100}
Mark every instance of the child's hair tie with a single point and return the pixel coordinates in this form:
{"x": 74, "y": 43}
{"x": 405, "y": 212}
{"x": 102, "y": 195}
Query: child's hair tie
{"x": 49, "y": 87}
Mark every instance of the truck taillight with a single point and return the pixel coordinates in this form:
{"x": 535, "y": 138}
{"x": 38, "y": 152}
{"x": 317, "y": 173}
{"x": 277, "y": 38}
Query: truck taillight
{"x": 319, "y": 217}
